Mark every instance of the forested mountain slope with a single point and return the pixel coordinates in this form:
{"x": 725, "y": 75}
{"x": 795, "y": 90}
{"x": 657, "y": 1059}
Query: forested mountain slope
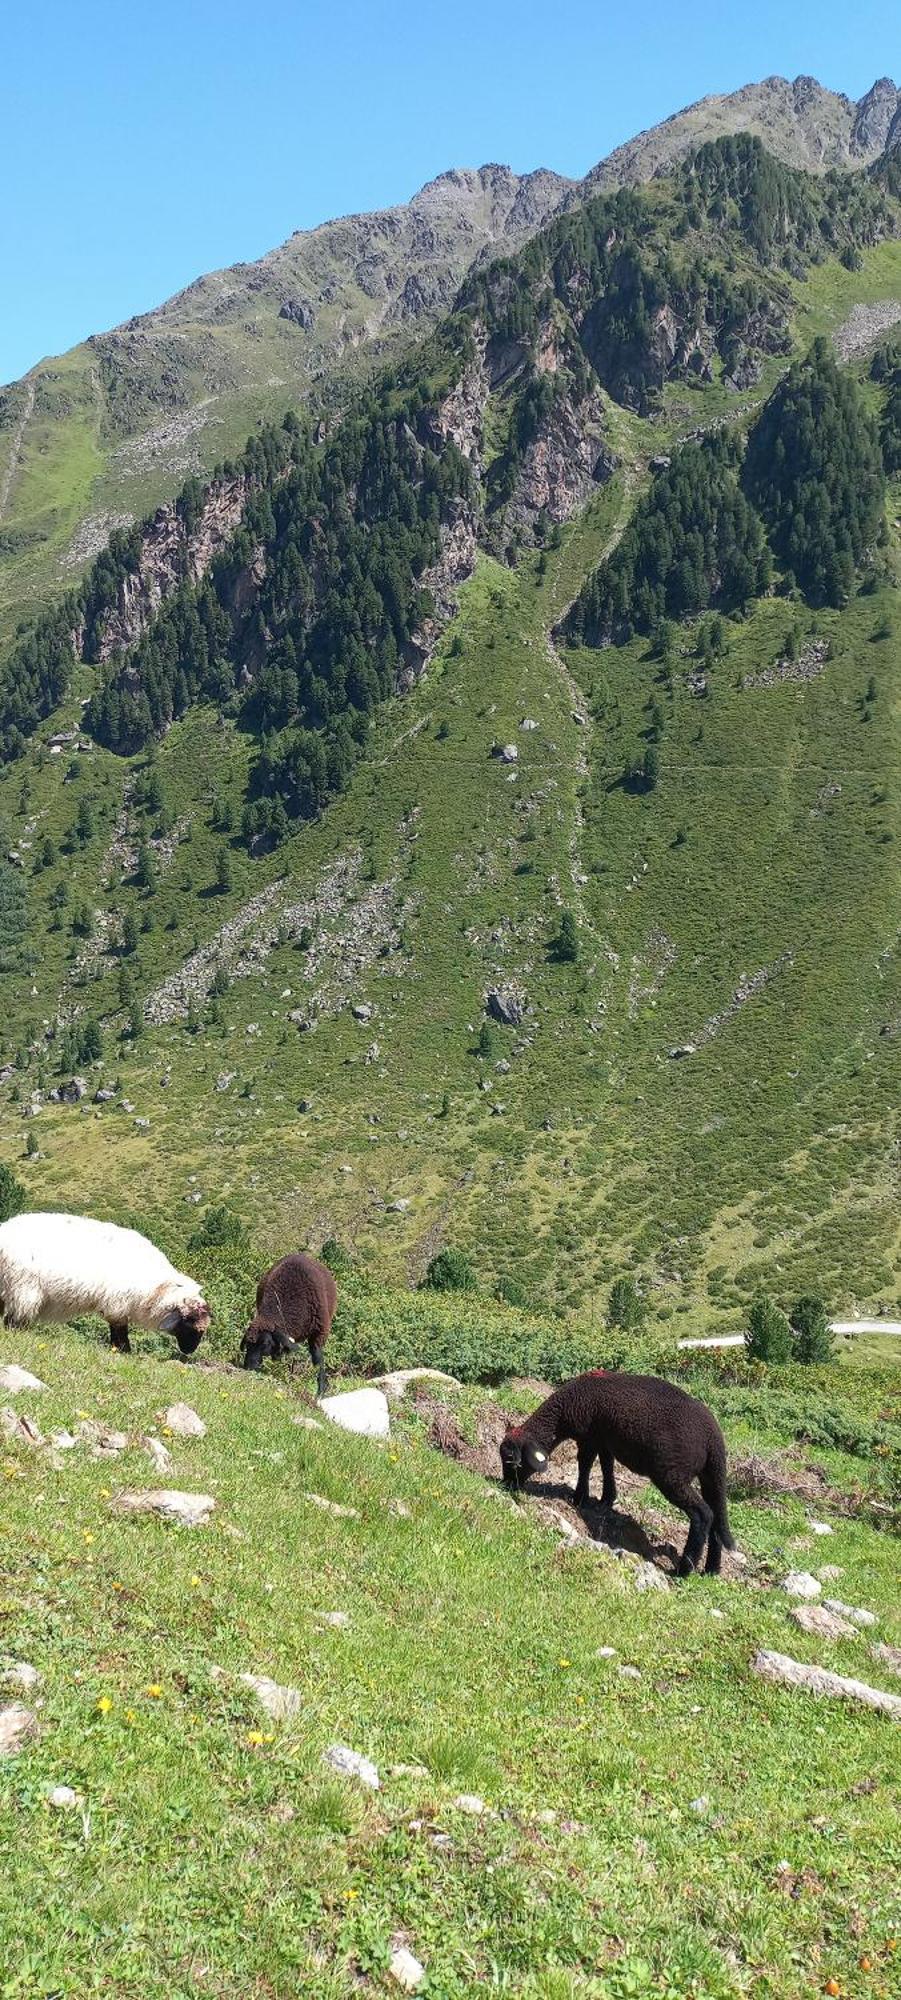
{"x": 91, "y": 439}
{"x": 579, "y": 947}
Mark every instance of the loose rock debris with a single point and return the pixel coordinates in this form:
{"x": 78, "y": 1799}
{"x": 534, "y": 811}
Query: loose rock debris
{"x": 820, "y": 1681}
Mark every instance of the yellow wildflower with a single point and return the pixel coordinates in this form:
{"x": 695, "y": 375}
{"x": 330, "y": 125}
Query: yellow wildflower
{"x": 104, "y": 1704}
{"x": 255, "y": 1737}
{"x": 564, "y": 1663}
{"x": 154, "y": 1690}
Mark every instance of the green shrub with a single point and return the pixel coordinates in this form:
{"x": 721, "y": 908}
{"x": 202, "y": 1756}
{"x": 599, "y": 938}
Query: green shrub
{"x": 218, "y": 1229}
{"x": 339, "y": 1260}
{"x": 769, "y": 1336}
{"x": 450, "y": 1271}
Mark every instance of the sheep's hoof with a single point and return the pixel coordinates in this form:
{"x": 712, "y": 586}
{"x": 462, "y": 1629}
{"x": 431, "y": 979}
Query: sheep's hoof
{"x": 686, "y": 1567}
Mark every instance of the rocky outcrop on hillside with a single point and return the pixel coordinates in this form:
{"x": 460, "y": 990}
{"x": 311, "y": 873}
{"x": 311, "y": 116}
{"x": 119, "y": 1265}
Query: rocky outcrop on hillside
{"x": 171, "y": 553}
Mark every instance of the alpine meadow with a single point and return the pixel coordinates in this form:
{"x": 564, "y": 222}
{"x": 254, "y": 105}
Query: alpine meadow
{"x": 450, "y": 716}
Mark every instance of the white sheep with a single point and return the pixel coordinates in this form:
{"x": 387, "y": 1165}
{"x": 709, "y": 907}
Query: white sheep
{"x": 53, "y": 1266}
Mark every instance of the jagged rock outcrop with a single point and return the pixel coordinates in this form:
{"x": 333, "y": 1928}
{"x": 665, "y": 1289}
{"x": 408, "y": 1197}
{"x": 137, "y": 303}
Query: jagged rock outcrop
{"x": 172, "y": 552}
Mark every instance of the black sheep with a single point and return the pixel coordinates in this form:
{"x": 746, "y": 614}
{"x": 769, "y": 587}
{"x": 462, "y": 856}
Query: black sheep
{"x": 650, "y": 1426}
{"x": 296, "y": 1301}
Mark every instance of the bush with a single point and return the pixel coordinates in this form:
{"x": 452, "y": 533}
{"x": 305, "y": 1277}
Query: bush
{"x": 13, "y": 1196}
{"x": 218, "y": 1229}
{"x": 565, "y": 946}
{"x": 625, "y": 1308}
{"x": 339, "y": 1260}
{"x": 769, "y": 1336}
{"x": 450, "y": 1271}
{"x": 814, "y": 1339}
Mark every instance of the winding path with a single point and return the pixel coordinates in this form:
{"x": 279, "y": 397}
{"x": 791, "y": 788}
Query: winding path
{"x": 836, "y": 1325}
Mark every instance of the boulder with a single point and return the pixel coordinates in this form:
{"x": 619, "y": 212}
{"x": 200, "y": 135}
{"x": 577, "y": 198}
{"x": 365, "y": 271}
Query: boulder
{"x": 826, "y": 1624}
{"x": 184, "y": 1421}
{"x": 818, "y": 1680}
{"x": 649, "y": 1577}
{"x": 398, "y": 1380}
{"x": 279, "y": 1703}
{"x": 20, "y": 1430}
{"x": 799, "y": 1583}
{"x": 855, "y": 1612}
{"x": 18, "y": 1674}
{"x": 16, "y": 1724}
{"x": 406, "y": 1970}
{"x": 333, "y": 1507}
{"x": 14, "y": 1379}
{"x": 351, "y": 1765}
{"x": 63, "y": 1799}
{"x": 362, "y": 1410}
{"x": 506, "y": 1005}
{"x": 189, "y": 1510}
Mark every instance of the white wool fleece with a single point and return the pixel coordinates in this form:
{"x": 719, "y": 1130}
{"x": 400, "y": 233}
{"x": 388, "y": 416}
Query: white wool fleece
{"x": 54, "y": 1266}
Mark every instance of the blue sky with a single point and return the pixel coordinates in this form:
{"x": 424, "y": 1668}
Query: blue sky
{"x": 140, "y": 146}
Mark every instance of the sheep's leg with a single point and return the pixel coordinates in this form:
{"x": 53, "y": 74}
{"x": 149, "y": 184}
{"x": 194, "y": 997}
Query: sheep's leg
{"x": 587, "y": 1456}
{"x": 700, "y": 1523}
{"x": 714, "y": 1554}
{"x": 118, "y": 1336}
{"x": 608, "y": 1493}
{"x": 316, "y": 1356}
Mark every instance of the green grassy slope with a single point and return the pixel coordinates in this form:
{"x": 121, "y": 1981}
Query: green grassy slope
{"x": 687, "y": 1832}
{"x": 765, "y": 846}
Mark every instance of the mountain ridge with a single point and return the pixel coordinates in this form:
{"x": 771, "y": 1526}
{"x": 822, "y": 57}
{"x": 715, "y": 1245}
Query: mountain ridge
{"x": 95, "y": 438}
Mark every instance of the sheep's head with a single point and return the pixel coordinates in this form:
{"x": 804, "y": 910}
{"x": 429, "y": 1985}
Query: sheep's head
{"x": 189, "y": 1321}
{"x": 264, "y": 1343}
{"x": 519, "y": 1457}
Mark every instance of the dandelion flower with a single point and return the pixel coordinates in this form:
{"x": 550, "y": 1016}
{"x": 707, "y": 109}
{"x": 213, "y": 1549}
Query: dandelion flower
{"x": 350, "y": 1895}
{"x": 131, "y": 1715}
{"x": 86, "y": 1532}
{"x": 104, "y": 1704}
{"x": 154, "y": 1690}
{"x": 255, "y": 1737}
{"x": 564, "y": 1663}
{"x": 195, "y": 1581}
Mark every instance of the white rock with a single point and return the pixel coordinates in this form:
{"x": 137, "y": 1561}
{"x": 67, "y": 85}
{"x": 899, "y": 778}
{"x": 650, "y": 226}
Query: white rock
{"x": 332, "y": 1507}
{"x": 399, "y": 1508}
{"x": 16, "y": 1723}
{"x": 192, "y": 1510}
{"x": 338, "y": 1619}
{"x": 14, "y": 1379}
{"x": 362, "y": 1410}
{"x": 649, "y": 1577}
{"x": 20, "y": 1675}
{"x": 606, "y": 1653}
{"x": 406, "y": 1970}
{"x": 700, "y": 1805}
{"x": 629, "y": 1673}
{"x": 470, "y": 1802}
{"x": 352, "y": 1765}
{"x": 160, "y": 1458}
{"x": 819, "y": 1527}
{"x": 817, "y": 1680}
{"x": 63, "y": 1798}
{"x": 800, "y": 1583}
{"x": 278, "y": 1702}
{"x": 855, "y": 1612}
{"x": 308, "y": 1423}
{"x": 397, "y": 1382}
{"x": 184, "y": 1421}
{"x": 63, "y": 1441}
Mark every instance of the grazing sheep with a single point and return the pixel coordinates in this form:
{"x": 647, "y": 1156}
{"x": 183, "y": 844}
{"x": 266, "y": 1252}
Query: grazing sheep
{"x": 53, "y": 1266}
{"x": 296, "y": 1301}
{"x": 650, "y": 1426}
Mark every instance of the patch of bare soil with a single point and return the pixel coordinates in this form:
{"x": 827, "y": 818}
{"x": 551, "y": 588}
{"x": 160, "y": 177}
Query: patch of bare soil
{"x": 657, "y": 1537}
{"x": 753, "y": 1477}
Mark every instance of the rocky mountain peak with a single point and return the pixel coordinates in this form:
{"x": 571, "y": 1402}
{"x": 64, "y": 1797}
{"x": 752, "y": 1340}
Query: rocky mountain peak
{"x": 875, "y": 115}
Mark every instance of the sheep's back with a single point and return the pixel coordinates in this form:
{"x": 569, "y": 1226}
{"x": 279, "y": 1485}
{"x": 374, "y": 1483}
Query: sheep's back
{"x": 300, "y": 1295}
{"x": 53, "y": 1265}
{"x": 652, "y": 1426}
